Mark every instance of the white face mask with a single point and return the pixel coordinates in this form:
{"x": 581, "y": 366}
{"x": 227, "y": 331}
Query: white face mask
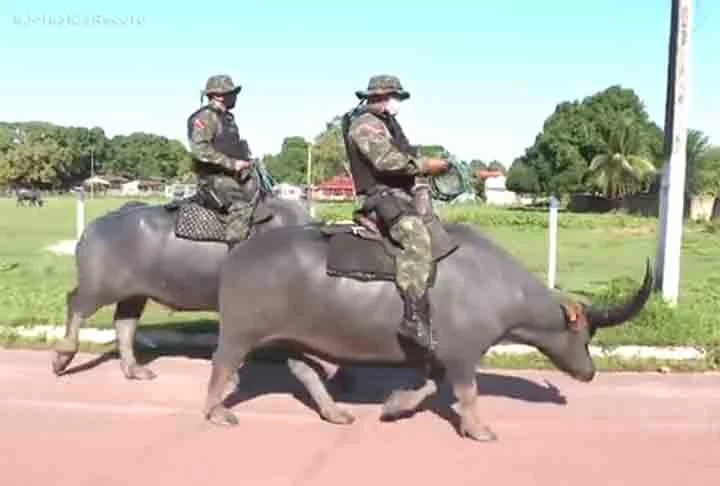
{"x": 393, "y": 106}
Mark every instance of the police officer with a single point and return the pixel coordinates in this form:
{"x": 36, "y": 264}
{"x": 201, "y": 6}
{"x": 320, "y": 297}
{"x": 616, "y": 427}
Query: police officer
{"x": 221, "y": 159}
{"x": 387, "y": 172}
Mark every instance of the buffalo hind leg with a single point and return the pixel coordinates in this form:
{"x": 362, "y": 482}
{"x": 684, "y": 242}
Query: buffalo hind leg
{"x": 464, "y": 387}
{"x": 127, "y": 315}
{"x": 402, "y": 402}
{"x": 79, "y": 308}
{"x": 329, "y": 409}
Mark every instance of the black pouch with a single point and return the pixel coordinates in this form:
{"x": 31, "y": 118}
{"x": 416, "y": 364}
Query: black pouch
{"x": 211, "y": 198}
{"x": 388, "y": 207}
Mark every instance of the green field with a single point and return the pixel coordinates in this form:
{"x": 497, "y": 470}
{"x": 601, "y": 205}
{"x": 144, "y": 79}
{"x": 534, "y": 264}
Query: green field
{"x": 601, "y": 256}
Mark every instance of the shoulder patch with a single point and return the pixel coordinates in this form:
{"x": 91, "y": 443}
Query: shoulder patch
{"x": 375, "y": 128}
{"x": 370, "y": 123}
{"x": 203, "y": 119}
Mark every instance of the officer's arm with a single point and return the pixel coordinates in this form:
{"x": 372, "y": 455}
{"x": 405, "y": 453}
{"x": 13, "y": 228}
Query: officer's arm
{"x": 373, "y": 140}
{"x": 202, "y": 131}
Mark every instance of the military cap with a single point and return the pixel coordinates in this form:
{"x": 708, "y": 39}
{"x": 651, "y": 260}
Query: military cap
{"x": 220, "y": 84}
{"x": 383, "y": 84}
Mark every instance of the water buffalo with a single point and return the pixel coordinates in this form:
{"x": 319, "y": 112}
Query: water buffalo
{"x": 279, "y": 288}
{"x": 132, "y": 254}
{"x": 31, "y": 196}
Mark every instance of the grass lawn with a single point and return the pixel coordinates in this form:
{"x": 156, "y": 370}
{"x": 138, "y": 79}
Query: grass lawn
{"x": 599, "y": 255}
{"x": 34, "y": 281}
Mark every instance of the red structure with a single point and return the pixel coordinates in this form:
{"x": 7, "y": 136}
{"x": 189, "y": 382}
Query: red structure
{"x": 338, "y": 188}
{"x": 484, "y": 173}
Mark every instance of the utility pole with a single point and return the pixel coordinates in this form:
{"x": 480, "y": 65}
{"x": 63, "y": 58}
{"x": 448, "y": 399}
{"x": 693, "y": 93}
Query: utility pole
{"x": 309, "y": 181}
{"x": 552, "y": 241}
{"x": 672, "y": 191}
{"x": 92, "y": 174}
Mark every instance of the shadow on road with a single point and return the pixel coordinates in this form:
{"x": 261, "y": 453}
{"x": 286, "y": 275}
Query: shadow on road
{"x": 370, "y": 385}
{"x": 266, "y": 373}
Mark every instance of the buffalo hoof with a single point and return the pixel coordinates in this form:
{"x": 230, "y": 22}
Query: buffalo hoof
{"x": 221, "y": 416}
{"x": 338, "y": 416}
{"x": 61, "y": 361}
{"x": 478, "y": 433}
{"x": 399, "y": 403}
{"x": 137, "y": 372}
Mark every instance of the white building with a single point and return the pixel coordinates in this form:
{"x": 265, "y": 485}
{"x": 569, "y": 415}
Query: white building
{"x": 288, "y": 191}
{"x": 497, "y": 194}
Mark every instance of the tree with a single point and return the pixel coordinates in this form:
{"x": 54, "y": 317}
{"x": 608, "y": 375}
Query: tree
{"x": 706, "y": 172}
{"x": 617, "y": 169}
{"x": 329, "y": 158}
{"x": 477, "y": 182}
{"x": 496, "y": 166}
{"x": 697, "y": 146}
{"x": 572, "y": 136}
{"x": 522, "y": 178}
{"x": 40, "y": 153}
{"x": 145, "y": 155}
{"x": 33, "y": 159}
{"x": 290, "y": 164}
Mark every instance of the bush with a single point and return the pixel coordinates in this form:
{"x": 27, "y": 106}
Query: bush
{"x": 490, "y": 216}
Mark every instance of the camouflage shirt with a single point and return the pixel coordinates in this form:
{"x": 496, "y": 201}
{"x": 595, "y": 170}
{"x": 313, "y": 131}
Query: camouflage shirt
{"x": 374, "y": 140}
{"x": 203, "y": 127}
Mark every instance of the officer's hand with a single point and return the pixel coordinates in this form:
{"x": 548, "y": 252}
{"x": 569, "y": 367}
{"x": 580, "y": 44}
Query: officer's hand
{"x": 241, "y": 165}
{"x": 434, "y": 166}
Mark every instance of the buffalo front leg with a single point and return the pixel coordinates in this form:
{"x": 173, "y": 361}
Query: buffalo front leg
{"x": 223, "y": 376}
{"x": 329, "y": 409}
{"x": 402, "y": 402}
{"x": 464, "y": 388}
{"x": 127, "y": 315}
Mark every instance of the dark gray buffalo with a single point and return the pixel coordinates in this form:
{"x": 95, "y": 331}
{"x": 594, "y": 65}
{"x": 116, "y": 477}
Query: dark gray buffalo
{"x": 286, "y": 287}
{"x": 133, "y": 254}
{"x": 32, "y": 197}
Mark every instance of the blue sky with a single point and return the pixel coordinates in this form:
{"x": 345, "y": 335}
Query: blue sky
{"x": 483, "y": 75}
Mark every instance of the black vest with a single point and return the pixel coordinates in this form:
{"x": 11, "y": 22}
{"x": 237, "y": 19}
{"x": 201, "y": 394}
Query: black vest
{"x": 365, "y": 176}
{"x": 227, "y": 138}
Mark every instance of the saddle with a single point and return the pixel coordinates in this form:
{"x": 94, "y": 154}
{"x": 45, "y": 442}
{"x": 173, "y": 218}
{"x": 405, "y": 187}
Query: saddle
{"x": 196, "y": 222}
{"x": 362, "y": 250}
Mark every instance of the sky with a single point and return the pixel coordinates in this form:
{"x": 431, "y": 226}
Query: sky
{"x": 483, "y": 75}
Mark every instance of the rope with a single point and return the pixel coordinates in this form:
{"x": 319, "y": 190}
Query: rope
{"x": 449, "y": 185}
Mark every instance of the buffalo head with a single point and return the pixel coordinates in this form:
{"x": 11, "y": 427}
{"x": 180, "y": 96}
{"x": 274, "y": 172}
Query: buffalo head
{"x": 565, "y": 337}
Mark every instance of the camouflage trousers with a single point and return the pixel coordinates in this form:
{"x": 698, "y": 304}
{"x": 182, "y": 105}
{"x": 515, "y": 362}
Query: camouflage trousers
{"x": 415, "y": 259}
{"x": 235, "y": 203}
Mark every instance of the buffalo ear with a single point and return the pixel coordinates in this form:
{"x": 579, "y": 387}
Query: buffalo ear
{"x": 575, "y": 318}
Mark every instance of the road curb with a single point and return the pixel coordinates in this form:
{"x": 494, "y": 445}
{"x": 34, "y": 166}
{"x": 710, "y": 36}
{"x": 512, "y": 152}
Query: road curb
{"x": 158, "y": 338}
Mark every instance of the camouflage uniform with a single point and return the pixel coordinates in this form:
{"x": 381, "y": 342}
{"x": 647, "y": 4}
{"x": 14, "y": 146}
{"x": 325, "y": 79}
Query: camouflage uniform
{"x": 215, "y": 146}
{"x": 386, "y": 171}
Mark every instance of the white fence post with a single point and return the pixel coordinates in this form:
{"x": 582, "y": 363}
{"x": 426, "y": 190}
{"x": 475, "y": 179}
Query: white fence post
{"x": 80, "y": 211}
{"x": 552, "y": 242}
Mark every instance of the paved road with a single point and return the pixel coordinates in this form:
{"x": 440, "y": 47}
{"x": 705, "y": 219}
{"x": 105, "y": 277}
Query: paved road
{"x": 94, "y": 428}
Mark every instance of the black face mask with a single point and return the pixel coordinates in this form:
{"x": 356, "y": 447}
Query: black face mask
{"x": 229, "y": 100}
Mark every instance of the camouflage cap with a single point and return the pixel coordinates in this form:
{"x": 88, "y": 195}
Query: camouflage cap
{"x": 220, "y": 84}
{"x": 382, "y": 84}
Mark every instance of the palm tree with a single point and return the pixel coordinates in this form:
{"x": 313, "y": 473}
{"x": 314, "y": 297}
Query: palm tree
{"x": 697, "y": 145}
{"x": 619, "y": 169}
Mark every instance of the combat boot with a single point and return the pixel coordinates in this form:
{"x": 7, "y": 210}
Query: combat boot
{"x": 416, "y": 321}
